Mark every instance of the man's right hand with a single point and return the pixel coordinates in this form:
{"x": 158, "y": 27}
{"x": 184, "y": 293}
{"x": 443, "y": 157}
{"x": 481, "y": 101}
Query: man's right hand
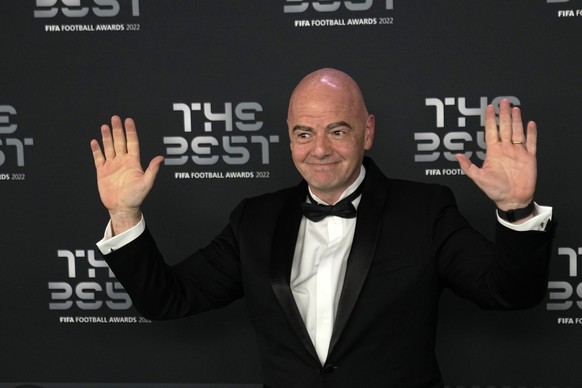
{"x": 122, "y": 182}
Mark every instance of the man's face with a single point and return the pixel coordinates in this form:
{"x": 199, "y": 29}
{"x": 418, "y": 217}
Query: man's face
{"x": 329, "y": 131}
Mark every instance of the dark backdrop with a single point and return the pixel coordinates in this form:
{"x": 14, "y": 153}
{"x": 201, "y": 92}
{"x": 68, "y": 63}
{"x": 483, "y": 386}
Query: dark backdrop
{"x": 208, "y": 84}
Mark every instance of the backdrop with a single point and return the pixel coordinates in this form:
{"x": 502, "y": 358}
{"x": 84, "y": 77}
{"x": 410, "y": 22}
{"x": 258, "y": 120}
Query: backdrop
{"x": 208, "y": 84}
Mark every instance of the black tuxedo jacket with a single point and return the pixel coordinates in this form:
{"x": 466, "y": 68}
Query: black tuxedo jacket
{"x": 410, "y": 243}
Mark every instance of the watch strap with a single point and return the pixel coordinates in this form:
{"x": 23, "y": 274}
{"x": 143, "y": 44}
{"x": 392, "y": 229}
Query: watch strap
{"x": 514, "y": 215}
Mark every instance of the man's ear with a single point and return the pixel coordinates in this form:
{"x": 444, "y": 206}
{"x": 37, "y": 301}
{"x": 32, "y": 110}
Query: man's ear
{"x": 369, "y": 132}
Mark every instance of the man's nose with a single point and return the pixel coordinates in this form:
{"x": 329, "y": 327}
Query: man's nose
{"x": 322, "y": 146}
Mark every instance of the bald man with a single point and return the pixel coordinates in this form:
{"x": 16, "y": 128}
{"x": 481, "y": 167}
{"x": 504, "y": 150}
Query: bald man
{"x": 342, "y": 273}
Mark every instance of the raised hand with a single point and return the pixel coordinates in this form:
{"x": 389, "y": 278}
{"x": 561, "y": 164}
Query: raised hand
{"x": 122, "y": 182}
{"x": 509, "y": 172}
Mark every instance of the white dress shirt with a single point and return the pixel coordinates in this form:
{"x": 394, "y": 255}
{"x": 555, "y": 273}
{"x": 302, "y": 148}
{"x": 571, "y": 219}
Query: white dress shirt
{"x": 319, "y": 267}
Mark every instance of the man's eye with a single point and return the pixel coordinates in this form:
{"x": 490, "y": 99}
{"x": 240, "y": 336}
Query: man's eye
{"x": 303, "y": 135}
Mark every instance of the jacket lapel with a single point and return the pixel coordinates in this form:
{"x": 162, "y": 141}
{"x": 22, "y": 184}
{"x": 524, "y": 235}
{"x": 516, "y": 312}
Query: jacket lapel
{"x": 366, "y": 236}
{"x": 283, "y": 248}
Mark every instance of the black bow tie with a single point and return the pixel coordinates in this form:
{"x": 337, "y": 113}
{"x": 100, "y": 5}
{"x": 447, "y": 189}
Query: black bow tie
{"x": 344, "y": 208}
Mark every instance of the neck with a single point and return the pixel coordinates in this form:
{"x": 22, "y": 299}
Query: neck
{"x": 328, "y": 198}
{"x": 331, "y": 198}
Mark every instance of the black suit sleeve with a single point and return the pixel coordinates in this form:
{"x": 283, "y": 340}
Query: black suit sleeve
{"x": 207, "y": 279}
{"x": 510, "y": 273}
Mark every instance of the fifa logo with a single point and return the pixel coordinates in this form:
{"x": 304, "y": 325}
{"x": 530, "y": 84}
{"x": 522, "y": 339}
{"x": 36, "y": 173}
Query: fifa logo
{"x": 82, "y": 8}
{"x": 12, "y": 149}
{"x": 562, "y": 292}
{"x": 238, "y": 125}
{"x": 90, "y": 294}
{"x": 298, "y": 6}
{"x": 433, "y": 145}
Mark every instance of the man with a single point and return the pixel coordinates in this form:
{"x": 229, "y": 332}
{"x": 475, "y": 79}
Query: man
{"x": 339, "y": 300}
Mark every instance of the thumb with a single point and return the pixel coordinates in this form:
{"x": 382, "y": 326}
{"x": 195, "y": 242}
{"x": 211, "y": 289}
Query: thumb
{"x": 152, "y": 171}
{"x": 466, "y": 165}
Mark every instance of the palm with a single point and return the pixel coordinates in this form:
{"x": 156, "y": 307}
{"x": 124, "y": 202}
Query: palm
{"x": 508, "y": 175}
{"x": 122, "y": 182}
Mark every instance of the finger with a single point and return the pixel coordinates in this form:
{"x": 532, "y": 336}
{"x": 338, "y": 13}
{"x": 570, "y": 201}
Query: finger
{"x": 504, "y": 121}
{"x": 107, "y": 142}
{"x": 152, "y": 171}
{"x": 98, "y": 156}
{"x": 131, "y": 136}
{"x": 491, "y": 134}
{"x": 119, "y": 142}
{"x": 517, "y": 135}
{"x": 532, "y": 137}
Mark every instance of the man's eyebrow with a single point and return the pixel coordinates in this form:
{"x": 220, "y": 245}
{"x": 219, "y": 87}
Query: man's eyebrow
{"x": 302, "y": 128}
{"x": 339, "y": 124}
{"x": 329, "y": 126}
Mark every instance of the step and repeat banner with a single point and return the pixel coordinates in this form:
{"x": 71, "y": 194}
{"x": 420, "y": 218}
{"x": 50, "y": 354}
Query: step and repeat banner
{"x": 208, "y": 83}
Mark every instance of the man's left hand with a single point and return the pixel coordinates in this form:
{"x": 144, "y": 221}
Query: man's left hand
{"x": 509, "y": 172}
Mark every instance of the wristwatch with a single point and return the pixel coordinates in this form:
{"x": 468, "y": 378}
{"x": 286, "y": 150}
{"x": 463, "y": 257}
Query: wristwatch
{"x": 516, "y": 214}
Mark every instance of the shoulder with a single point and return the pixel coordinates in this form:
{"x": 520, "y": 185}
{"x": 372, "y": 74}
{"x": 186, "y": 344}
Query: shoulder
{"x": 265, "y": 206}
{"x": 407, "y": 187}
{"x": 418, "y": 198}
{"x": 281, "y": 196}
{"x": 402, "y": 189}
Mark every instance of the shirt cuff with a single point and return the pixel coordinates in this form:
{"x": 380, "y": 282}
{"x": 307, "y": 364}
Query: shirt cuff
{"x": 110, "y": 243}
{"x": 543, "y": 215}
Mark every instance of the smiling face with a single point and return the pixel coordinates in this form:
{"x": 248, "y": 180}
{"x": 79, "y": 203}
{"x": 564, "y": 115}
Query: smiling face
{"x": 330, "y": 129}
